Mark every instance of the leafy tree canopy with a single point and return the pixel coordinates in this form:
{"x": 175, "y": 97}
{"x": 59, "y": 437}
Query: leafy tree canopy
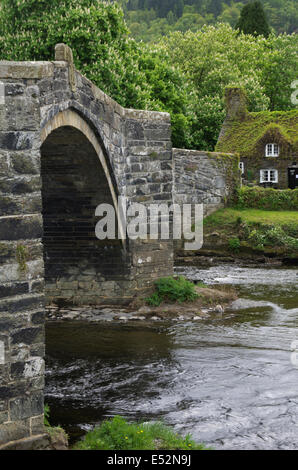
{"x": 185, "y": 74}
{"x": 133, "y": 74}
{"x": 182, "y": 15}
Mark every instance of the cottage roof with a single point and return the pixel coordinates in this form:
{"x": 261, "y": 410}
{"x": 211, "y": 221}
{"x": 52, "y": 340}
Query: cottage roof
{"x": 244, "y": 134}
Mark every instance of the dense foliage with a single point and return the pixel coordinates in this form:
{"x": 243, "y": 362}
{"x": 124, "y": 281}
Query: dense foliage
{"x": 185, "y": 74}
{"x": 96, "y": 31}
{"x": 216, "y": 57}
{"x": 267, "y": 198}
{"x": 149, "y": 20}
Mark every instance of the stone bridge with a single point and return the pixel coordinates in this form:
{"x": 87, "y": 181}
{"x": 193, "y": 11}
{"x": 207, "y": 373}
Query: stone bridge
{"x": 65, "y": 148}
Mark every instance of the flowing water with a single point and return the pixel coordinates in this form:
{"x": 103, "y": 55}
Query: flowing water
{"x": 231, "y": 382}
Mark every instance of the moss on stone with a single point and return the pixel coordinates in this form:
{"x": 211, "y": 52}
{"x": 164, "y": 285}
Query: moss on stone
{"x": 153, "y": 155}
{"x": 248, "y": 137}
{"x": 22, "y": 256}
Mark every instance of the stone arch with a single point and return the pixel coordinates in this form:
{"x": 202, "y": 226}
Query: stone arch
{"x": 70, "y": 117}
{"x": 79, "y": 268}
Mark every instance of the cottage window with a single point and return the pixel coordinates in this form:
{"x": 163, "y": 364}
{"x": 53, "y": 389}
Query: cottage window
{"x": 268, "y": 176}
{"x": 241, "y": 167}
{"x": 272, "y": 150}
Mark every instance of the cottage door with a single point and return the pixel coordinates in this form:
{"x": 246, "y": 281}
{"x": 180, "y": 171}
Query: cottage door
{"x": 293, "y": 177}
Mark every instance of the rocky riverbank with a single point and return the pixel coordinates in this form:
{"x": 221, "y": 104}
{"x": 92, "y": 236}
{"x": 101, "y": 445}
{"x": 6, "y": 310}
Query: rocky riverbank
{"x": 211, "y": 302}
{"x": 216, "y": 254}
{"x": 247, "y": 237}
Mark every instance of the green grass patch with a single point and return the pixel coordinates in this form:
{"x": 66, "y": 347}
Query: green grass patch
{"x": 254, "y": 228}
{"x": 172, "y": 290}
{"x": 229, "y": 216}
{"x": 118, "y": 434}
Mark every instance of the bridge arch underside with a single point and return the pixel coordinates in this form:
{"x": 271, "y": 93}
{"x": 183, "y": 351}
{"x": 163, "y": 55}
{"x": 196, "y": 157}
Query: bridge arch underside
{"x": 79, "y": 268}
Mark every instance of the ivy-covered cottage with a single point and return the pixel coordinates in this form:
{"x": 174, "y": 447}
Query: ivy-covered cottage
{"x": 267, "y": 142}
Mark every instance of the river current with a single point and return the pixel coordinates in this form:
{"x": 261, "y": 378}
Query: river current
{"x": 230, "y": 381}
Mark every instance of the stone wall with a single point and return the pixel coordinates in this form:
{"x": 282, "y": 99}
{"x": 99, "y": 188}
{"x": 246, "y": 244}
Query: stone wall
{"x": 206, "y": 178}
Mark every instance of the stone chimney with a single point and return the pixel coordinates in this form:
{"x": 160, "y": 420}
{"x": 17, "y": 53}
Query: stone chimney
{"x": 236, "y": 105}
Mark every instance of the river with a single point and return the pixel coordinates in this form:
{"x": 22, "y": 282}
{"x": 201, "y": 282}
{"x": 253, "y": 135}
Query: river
{"x": 230, "y": 381}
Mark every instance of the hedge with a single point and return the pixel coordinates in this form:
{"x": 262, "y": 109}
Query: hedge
{"x": 267, "y": 198}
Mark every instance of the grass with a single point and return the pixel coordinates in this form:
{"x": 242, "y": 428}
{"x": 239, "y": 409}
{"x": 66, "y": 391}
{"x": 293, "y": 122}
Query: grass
{"x": 258, "y": 229}
{"x": 118, "y": 434}
{"x": 229, "y": 216}
{"x": 172, "y": 290}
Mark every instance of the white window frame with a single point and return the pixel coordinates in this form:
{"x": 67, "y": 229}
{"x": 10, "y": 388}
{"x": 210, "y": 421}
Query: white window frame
{"x": 272, "y": 175}
{"x": 241, "y": 167}
{"x": 272, "y": 150}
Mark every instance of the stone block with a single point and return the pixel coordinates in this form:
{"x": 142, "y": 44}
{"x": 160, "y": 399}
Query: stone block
{"x": 7, "y": 290}
{"x": 16, "y": 140}
{"x": 28, "y": 335}
{"x": 21, "y": 303}
{"x": 14, "y": 431}
{"x": 20, "y": 228}
{"x": 26, "y": 407}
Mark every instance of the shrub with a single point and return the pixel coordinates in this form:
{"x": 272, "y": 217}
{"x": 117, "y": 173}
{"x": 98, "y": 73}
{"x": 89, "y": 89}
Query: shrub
{"x": 173, "y": 290}
{"x": 234, "y": 244}
{"x": 118, "y": 434}
{"x": 272, "y": 236}
{"x": 267, "y": 198}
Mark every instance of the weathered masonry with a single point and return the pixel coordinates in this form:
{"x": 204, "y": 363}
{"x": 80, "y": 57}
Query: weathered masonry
{"x": 207, "y": 178}
{"x": 65, "y": 148}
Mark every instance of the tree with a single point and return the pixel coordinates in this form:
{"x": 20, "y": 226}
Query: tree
{"x": 135, "y": 75}
{"x": 215, "y": 7}
{"x": 278, "y": 69}
{"x": 230, "y": 13}
{"x": 178, "y": 8}
{"x": 253, "y": 20}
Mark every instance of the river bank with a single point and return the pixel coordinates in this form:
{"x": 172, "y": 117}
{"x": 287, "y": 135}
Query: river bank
{"x": 211, "y": 301}
{"x": 246, "y": 237}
